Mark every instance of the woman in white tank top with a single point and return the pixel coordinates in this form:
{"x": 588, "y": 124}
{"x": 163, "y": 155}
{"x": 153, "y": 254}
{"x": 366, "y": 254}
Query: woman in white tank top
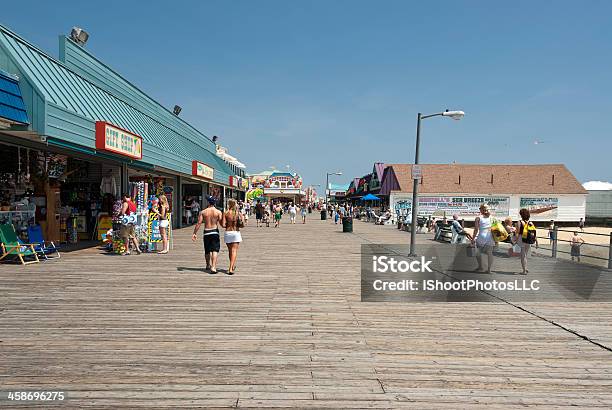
{"x": 483, "y": 237}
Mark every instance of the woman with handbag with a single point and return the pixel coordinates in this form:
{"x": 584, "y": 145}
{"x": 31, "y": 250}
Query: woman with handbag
{"x": 232, "y": 222}
{"x": 164, "y": 223}
{"x": 483, "y": 238}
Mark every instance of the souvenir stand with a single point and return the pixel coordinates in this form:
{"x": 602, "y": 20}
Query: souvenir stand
{"x": 146, "y": 223}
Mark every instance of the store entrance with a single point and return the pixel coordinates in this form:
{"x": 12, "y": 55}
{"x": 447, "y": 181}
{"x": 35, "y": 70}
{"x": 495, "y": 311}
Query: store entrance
{"x": 192, "y": 202}
{"x": 63, "y": 194}
{"x": 87, "y": 193}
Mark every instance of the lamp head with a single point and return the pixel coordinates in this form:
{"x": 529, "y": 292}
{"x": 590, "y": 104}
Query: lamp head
{"x": 455, "y": 115}
{"x": 79, "y": 36}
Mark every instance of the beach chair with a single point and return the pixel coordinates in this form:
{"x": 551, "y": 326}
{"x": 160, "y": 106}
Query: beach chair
{"x": 42, "y": 247}
{"x": 11, "y": 247}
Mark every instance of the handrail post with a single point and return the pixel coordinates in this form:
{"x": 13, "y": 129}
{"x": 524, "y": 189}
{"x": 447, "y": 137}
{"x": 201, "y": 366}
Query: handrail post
{"x": 610, "y": 253}
{"x": 555, "y": 239}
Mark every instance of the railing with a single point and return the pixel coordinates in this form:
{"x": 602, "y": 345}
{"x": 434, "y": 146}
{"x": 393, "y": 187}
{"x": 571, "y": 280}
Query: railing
{"x": 600, "y": 253}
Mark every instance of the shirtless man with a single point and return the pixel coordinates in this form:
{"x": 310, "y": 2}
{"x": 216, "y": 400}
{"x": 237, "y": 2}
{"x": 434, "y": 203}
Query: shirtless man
{"x": 212, "y": 242}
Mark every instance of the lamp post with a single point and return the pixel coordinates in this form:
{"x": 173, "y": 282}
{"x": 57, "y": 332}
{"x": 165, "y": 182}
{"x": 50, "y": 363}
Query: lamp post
{"x": 455, "y": 115}
{"x": 327, "y": 187}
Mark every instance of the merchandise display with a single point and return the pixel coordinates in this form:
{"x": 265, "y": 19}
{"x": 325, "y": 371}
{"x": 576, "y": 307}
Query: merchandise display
{"x": 146, "y": 224}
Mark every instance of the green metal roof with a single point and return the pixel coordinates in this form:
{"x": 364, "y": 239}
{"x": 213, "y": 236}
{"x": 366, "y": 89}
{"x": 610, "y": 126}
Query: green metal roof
{"x": 84, "y": 90}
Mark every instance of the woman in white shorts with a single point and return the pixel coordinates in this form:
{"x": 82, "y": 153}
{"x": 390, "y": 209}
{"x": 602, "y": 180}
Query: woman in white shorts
{"x": 232, "y": 222}
{"x": 484, "y": 238}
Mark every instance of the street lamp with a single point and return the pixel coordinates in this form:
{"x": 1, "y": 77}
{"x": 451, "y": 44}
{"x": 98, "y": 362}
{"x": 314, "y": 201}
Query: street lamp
{"x": 455, "y": 115}
{"x": 327, "y": 186}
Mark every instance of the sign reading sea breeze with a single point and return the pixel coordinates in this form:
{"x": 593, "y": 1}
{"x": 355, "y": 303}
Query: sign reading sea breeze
{"x": 117, "y": 140}
{"x": 463, "y": 206}
{"x": 202, "y": 170}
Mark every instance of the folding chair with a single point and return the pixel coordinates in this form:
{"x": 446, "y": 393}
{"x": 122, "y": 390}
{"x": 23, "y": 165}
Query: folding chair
{"x": 42, "y": 247}
{"x": 10, "y": 246}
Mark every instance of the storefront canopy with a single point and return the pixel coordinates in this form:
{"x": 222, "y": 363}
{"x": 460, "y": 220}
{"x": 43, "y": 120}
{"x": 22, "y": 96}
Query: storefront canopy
{"x": 12, "y": 107}
{"x": 370, "y": 197}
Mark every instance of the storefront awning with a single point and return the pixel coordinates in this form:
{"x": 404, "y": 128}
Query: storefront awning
{"x": 12, "y": 107}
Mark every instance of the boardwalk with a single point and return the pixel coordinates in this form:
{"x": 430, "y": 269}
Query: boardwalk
{"x": 288, "y": 330}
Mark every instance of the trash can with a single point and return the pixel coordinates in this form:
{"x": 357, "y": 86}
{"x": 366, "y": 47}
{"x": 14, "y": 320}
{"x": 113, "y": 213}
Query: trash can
{"x": 323, "y": 214}
{"x": 347, "y": 224}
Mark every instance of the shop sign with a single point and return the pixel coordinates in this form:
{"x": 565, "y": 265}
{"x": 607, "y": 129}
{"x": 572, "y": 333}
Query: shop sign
{"x": 117, "y": 140}
{"x": 202, "y": 170}
{"x": 541, "y": 208}
{"x": 463, "y": 206}
{"x": 233, "y": 181}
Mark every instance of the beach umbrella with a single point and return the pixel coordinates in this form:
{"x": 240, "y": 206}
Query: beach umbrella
{"x": 370, "y": 197}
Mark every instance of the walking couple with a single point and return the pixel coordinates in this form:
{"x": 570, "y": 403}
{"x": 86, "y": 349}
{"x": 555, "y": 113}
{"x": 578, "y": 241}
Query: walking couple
{"x": 232, "y": 221}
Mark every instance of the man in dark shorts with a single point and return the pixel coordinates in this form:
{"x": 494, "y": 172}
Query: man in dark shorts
{"x": 211, "y": 217}
{"x": 259, "y": 211}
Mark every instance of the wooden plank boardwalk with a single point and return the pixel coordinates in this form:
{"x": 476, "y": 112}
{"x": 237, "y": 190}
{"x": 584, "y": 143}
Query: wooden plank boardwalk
{"x": 288, "y": 330}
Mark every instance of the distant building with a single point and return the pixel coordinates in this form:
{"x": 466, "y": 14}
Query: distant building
{"x": 337, "y": 192}
{"x": 278, "y": 185}
{"x": 550, "y": 191}
{"x": 599, "y": 202}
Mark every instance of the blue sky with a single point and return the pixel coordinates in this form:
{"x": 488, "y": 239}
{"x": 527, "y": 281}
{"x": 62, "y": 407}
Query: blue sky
{"x": 336, "y": 85}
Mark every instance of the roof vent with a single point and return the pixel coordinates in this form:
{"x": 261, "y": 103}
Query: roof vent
{"x": 79, "y": 36}
{"x": 177, "y": 110}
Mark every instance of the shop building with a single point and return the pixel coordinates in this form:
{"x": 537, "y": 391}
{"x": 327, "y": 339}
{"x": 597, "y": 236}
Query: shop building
{"x": 76, "y": 134}
{"x": 550, "y": 191}
{"x": 277, "y": 186}
{"x": 337, "y": 192}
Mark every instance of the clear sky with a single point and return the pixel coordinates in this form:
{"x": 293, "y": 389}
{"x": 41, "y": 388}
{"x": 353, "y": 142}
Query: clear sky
{"x": 336, "y": 85}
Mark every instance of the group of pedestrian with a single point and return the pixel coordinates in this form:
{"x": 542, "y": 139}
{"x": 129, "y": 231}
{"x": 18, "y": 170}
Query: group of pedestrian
{"x": 275, "y": 210}
{"x": 212, "y": 218}
{"x": 522, "y": 234}
{"x": 338, "y": 211}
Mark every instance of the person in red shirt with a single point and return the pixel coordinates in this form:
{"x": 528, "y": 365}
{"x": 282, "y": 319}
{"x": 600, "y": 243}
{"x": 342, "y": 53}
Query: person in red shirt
{"x": 127, "y": 232}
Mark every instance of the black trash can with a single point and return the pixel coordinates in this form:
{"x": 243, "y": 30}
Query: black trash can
{"x": 323, "y": 214}
{"x": 347, "y": 224}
